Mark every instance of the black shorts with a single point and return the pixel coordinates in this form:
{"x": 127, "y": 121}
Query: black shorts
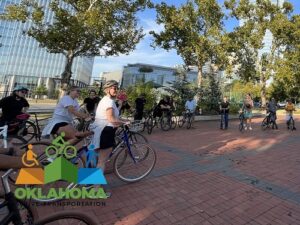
{"x": 107, "y": 139}
{"x": 57, "y": 126}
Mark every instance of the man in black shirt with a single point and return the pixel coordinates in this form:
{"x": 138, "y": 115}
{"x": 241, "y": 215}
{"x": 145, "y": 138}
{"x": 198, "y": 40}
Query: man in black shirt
{"x": 139, "y": 107}
{"x": 224, "y": 109}
{"x": 13, "y": 105}
{"x": 91, "y": 102}
{"x": 163, "y": 105}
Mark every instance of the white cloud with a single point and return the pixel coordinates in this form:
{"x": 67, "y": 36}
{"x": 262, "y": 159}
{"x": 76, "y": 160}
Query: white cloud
{"x": 151, "y": 25}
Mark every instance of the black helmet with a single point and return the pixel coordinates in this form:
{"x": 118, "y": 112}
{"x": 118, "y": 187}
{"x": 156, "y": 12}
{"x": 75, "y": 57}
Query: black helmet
{"x": 110, "y": 83}
{"x": 20, "y": 88}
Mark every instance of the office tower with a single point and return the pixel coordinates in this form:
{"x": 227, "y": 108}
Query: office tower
{"x": 24, "y": 62}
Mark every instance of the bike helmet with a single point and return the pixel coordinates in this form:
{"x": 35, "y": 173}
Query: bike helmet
{"x": 110, "y": 83}
{"x": 20, "y": 88}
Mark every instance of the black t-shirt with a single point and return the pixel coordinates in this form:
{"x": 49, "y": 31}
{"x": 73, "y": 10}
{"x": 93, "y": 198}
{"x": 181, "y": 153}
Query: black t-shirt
{"x": 11, "y": 107}
{"x": 225, "y": 105}
{"x": 90, "y": 103}
{"x": 139, "y": 104}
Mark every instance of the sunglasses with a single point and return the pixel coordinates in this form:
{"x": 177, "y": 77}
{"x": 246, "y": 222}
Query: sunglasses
{"x": 115, "y": 88}
{"x": 24, "y": 92}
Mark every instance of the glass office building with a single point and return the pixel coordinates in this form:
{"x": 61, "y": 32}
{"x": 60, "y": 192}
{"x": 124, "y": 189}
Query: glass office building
{"x": 24, "y": 62}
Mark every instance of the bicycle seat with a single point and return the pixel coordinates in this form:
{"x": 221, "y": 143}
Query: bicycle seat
{"x": 23, "y": 116}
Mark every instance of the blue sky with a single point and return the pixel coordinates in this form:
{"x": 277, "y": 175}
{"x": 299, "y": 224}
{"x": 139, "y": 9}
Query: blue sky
{"x": 144, "y": 53}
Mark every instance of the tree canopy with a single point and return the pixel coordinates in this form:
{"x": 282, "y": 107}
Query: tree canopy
{"x": 80, "y": 27}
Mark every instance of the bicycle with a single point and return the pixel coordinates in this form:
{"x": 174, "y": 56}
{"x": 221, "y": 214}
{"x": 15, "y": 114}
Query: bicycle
{"x": 33, "y": 129}
{"x": 291, "y": 123}
{"x": 18, "y": 212}
{"x": 166, "y": 122}
{"x": 125, "y": 154}
{"x": 187, "y": 117}
{"x": 269, "y": 120}
{"x": 8, "y": 141}
{"x": 242, "y": 122}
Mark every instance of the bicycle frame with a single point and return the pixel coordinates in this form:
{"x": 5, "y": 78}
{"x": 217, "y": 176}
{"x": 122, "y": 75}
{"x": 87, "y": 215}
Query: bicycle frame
{"x": 10, "y": 202}
{"x": 3, "y": 132}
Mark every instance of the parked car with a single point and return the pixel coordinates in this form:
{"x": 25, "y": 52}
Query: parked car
{"x": 281, "y": 105}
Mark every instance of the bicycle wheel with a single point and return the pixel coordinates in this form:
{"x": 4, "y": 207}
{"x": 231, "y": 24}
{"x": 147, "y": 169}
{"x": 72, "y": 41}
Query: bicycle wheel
{"x": 67, "y": 218}
{"x": 150, "y": 124}
{"x": 135, "y": 137}
{"x": 181, "y": 120}
{"x": 291, "y": 124}
{"x": 15, "y": 142}
{"x": 189, "y": 122}
{"x": 173, "y": 122}
{"x": 132, "y": 170}
{"x": 165, "y": 123}
{"x": 29, "y": 131}
{"x": 241, "y": 126}
{"x": 27, "y": 216}
{"x": 264, "y": 124}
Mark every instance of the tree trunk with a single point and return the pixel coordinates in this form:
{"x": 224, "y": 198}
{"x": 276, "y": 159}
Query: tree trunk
{"x": 263, "y": 90}
{"x": 67, "y": 74}
{"x": 199, "y": 77}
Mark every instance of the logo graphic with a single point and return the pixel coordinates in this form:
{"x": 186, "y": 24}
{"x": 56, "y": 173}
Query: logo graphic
{"x": 62, "y": 165}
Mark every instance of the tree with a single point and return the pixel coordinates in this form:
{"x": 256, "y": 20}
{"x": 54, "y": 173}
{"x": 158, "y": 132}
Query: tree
{"x": 181, "y": 89}
{"x": 84, "y": 28}
{"x": 40, "y": 91}
{"x": 195, "y": 31}
{"x": 247, "y": 40}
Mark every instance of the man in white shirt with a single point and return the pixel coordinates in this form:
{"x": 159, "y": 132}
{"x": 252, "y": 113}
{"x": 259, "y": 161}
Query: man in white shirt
{"x": 191, "y": 105}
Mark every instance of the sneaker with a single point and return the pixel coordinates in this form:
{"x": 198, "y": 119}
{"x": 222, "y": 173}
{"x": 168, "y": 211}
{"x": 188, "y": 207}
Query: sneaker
{"x": 245, "y": 128}
{"x": 250, "y": 128}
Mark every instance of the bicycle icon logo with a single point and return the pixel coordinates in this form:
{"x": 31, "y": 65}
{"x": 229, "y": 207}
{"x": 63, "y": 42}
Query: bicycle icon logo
{"x": 60, "y": 147}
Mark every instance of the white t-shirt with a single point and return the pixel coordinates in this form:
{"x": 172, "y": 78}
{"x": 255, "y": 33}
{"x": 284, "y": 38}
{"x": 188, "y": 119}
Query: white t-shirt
{"x": 191, "y": 105}
{"x": 105, "y": 103}
{"x": 61, "y": 110}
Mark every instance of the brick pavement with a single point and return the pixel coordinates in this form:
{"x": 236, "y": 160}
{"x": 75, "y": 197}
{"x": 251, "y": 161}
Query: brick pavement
{"x": 208, "y": 176}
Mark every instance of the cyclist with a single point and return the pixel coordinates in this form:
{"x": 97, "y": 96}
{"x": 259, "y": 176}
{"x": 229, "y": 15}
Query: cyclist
{"x": 164, "y": 105}
{"x": 106, "y": 122}
{"x": 247, "y": 109}
{"x": 61, "y": 120}
{"x": 289, "y": 108}
{"x": 191, "y": 105}
{"x": 271, "y": 108}
{"x": 13, "y": 105}
{"x": 139, "y": 107}
{"x": 91, "y": 102}
{"x": 224, "y": 109}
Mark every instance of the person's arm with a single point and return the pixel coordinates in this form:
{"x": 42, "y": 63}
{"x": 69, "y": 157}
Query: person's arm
{"x": 10, "y": 162}
{"x": 72, "y": 110}
{"x": 26, "y": 106}
{"x": 111, "y": 117}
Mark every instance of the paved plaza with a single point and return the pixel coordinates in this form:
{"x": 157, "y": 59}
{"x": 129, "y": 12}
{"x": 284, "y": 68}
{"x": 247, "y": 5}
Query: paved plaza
{"x": 208, "y": 176}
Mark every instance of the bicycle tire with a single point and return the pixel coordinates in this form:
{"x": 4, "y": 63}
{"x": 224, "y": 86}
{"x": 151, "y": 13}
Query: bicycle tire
{"x": 69, "y": 217}
{"x": 31, "y": 131}
{"x": 189, "y": 122}
{"x": 165, "y": 123}
{"x": 150, "y": 125}
{"x": 140, "y": 152}
{"x": 26, "y": 213}
{"x": 265, "y": 124}
{"x": 181, "y": 120}
{"x": 136, "y": 137}
{"x": 291, "y": 125}
{"x": 173, "y": 122}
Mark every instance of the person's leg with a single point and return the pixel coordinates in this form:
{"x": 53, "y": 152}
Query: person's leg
{"x": 226, "y": 120}
{"x": 250, "y": 123}
{"x": 103, "y": 155}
